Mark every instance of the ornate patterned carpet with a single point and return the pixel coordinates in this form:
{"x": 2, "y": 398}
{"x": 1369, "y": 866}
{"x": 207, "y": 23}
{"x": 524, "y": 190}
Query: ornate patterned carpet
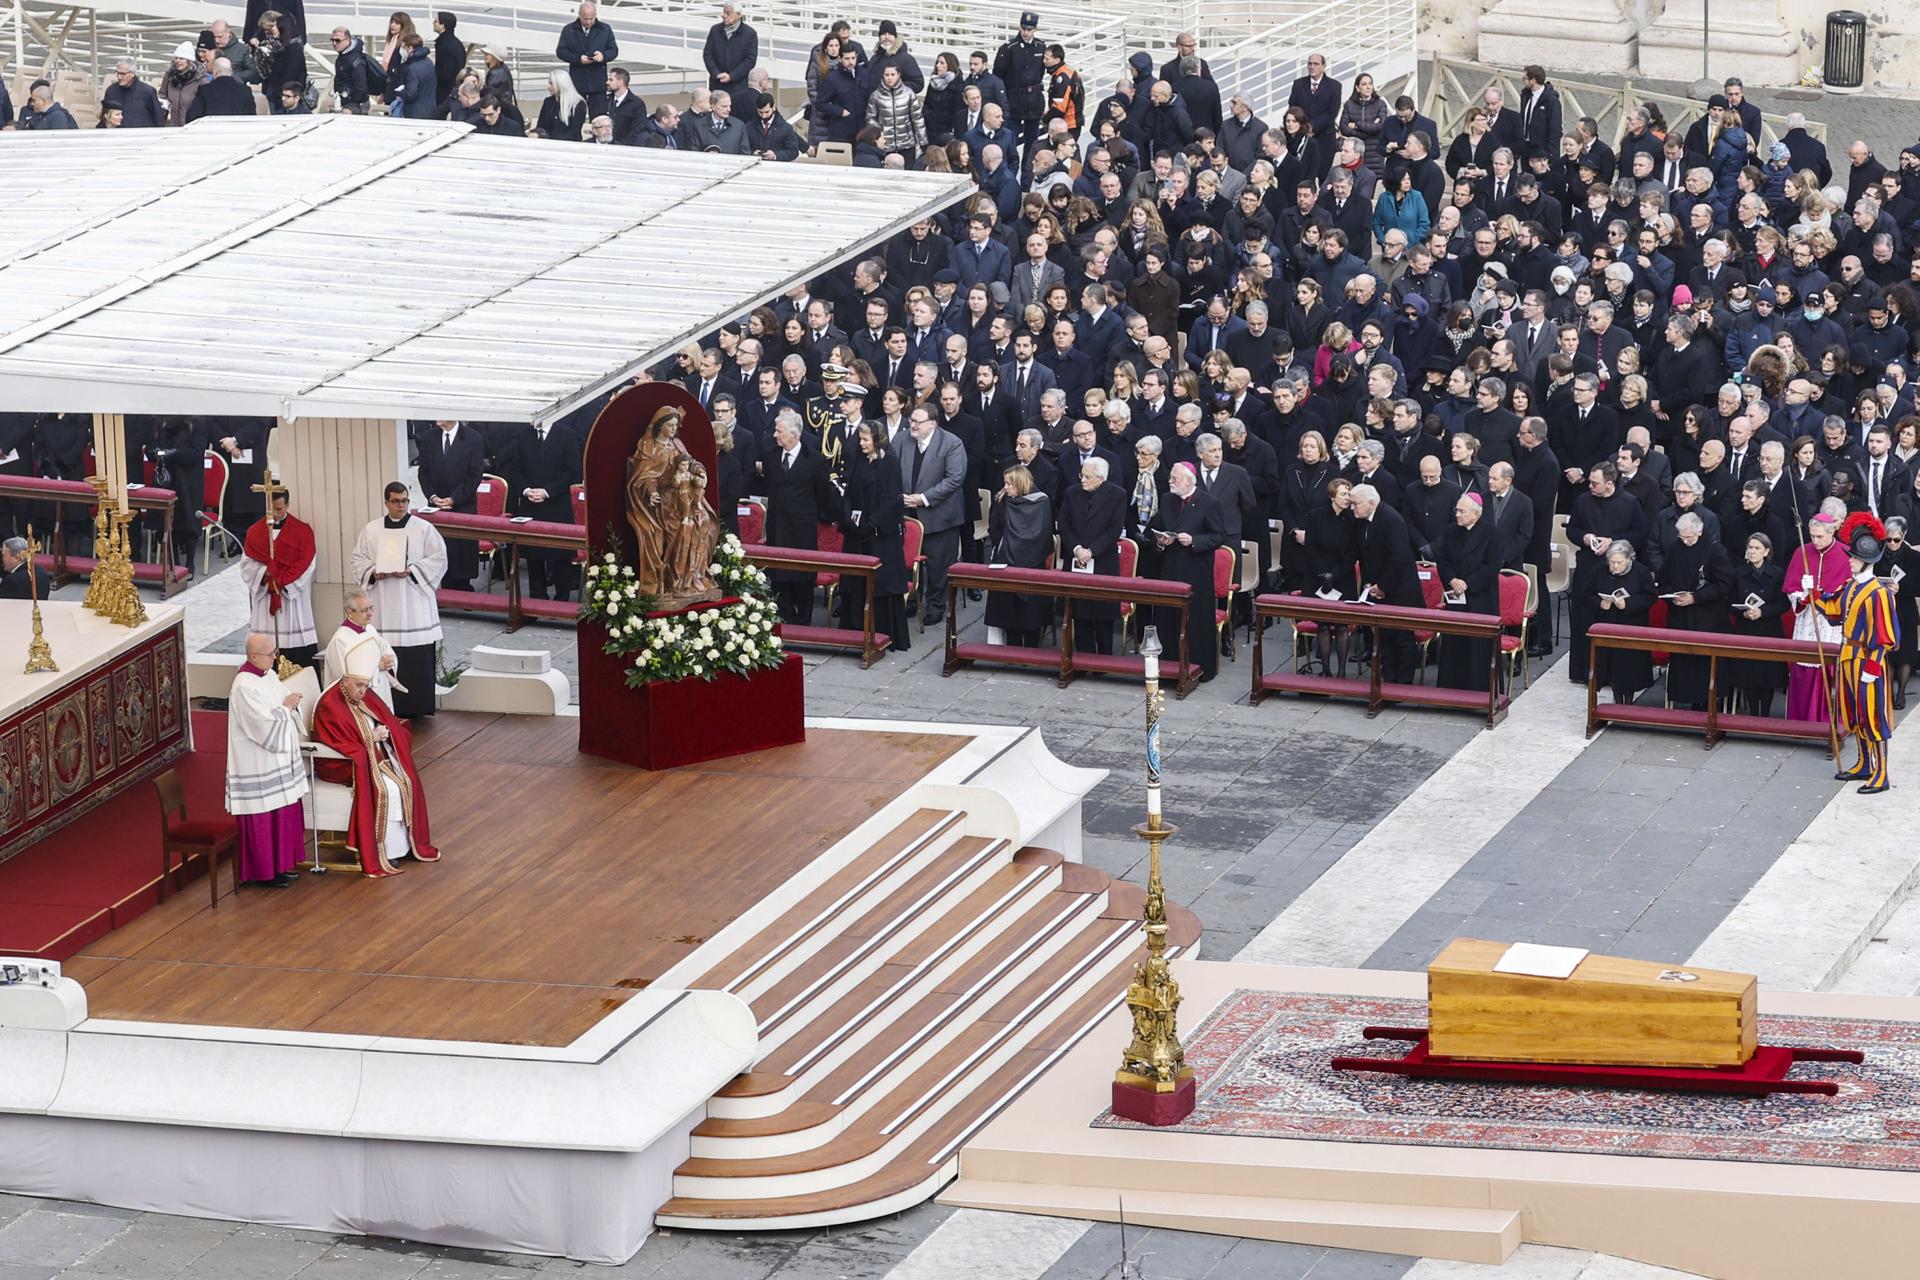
{"x": 1261, "y": 1058}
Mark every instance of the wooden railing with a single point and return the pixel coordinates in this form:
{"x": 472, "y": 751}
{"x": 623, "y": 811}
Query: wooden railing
{"x": 1713, "y": 646}
{"x": 1374, "y": 691}
{"x": 864, "y": 640}
{"x": 1068, "y": 662}
{"x": 511, "y": 535}
{"x": 66, "y": 566}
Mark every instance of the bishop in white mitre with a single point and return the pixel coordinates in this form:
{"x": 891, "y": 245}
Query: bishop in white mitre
{"x": 400, "y": 559}
{"x": 266, "y": 776}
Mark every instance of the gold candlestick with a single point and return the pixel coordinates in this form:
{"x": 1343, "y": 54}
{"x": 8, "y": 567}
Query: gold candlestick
{"x": 99, "y": 582}
{"x": 39, "y": 652}
{"x": 1154, "y": 1083}
{"x": 128, "y": 609}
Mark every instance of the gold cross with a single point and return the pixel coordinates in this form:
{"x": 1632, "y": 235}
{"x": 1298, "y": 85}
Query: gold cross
{"x": 271, "y": 486}
{"x": 33, "y": 549}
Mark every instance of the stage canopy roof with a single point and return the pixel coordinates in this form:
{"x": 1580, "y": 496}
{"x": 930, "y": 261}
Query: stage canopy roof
{"x": 362, "y": 267}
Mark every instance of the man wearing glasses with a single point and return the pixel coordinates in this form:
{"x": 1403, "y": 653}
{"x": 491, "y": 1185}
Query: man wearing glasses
{"x": 350, "y": 93}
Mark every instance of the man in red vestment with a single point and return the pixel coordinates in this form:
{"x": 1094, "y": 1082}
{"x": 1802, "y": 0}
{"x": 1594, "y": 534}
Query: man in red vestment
{"x": 279, "y": 573}
{"x": 389, "y": 804}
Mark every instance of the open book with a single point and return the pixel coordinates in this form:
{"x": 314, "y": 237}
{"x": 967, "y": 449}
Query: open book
{"x": 1753, "y": 601}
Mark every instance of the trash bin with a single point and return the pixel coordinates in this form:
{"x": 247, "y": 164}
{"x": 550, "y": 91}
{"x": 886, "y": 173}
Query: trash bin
{"x": 1846, "y": 61}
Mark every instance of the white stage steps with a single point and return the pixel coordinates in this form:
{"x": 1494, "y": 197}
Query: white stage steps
{"x": 901, "y": 1004}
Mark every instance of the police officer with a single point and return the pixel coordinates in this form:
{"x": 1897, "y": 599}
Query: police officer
{"x": 1021, "y": 65}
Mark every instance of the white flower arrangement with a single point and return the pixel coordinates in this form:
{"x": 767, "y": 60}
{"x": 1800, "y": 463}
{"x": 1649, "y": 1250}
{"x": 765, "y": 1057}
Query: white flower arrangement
{"x": 736, "y": 635}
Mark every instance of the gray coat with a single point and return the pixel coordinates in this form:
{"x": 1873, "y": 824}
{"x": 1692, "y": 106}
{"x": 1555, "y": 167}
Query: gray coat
{"x": 897, "y": 112}
{"x": 943, "y": 477}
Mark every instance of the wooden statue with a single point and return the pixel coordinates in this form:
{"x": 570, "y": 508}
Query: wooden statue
{"x": 674, "y": 529}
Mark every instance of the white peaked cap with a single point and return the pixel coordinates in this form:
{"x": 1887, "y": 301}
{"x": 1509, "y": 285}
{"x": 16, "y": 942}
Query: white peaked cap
{"x": 363, "y": 658}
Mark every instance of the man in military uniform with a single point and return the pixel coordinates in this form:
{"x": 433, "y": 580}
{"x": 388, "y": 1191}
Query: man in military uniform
{"x": 832, "y": 416}
{"x": 1021, "y": 66}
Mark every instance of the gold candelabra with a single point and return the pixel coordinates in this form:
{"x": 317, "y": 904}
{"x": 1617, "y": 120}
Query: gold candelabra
{"x": 97, "y": 595}
{"x": 1154, "y": 1061}
{"x": 39, "y": 652}
{"x": 127, "y": 608}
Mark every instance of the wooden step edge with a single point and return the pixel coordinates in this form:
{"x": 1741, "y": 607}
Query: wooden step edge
{"x": 1067, "y": 953}
{"x": 850, "y": 1014}
{"x": 801, "y": 1115}
{"x": 892, "y": 1190}
{"x": 865, "y": 1136}
{"x": 882, "y": 930}
{"x": 785, "y": 931}
{"x": 753, "y": 1084}
{"x": 1035, "y": 857}
{"x": 1086, "y": 879}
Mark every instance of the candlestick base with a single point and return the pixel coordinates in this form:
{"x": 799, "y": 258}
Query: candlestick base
{"x": 1139, "y": 1100}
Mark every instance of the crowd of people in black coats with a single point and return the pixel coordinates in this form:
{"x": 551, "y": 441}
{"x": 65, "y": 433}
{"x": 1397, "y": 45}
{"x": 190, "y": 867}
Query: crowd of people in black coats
{"x": 1339, "y": 342}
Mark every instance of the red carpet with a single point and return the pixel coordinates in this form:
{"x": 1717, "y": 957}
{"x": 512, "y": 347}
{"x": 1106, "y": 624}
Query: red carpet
{"x": 102, "y": 870}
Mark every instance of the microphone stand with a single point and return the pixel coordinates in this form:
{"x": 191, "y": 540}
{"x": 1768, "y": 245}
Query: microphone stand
{"x": 1819, "y": 644}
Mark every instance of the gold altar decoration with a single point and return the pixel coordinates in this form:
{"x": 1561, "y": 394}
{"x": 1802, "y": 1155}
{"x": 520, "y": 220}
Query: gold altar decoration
{"x": 1154, "y": 1060}
{"x": 39, "y": 652}
{"x": 674, "y": 528}
{"x": 127, "y": 608}
{"x": 96, "y": 596}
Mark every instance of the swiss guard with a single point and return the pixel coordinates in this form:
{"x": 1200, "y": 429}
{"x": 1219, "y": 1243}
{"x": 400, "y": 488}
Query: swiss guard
{"x": 1863, "y": 610}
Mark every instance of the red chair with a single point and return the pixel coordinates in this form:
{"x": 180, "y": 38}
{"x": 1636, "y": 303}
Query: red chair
{"x": 1433, "y": 596}
{"x": 1128, "y": 552}
{"x": 1225, "y": 584}
{"x": 213, "y": 511}
{"x": 1513, "y": 613}
{"x": 579, "y": 496}
{"x": 752, "y": 514}
{"x": 207, "y": 838}
{"x": 913, "y": 536}
{"x": 489, "y": 499}
{"x": 829, "y": 538}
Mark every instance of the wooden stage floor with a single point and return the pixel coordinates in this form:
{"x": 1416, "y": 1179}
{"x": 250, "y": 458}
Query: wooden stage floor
{"x": 566, "y": 883}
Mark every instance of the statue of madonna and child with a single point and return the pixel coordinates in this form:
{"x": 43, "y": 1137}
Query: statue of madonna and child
{"x": 674, "y": 530}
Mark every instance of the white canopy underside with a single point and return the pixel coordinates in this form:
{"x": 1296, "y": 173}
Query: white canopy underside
{"x": 361, "y": 267}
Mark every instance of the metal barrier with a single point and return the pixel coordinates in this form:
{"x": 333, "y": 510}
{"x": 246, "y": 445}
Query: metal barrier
{"x": 1374, "y": 691}
{"x": 1457, "y": 85}
{"x": 1379, "y": 37}
{"x": 1713, "y": 646}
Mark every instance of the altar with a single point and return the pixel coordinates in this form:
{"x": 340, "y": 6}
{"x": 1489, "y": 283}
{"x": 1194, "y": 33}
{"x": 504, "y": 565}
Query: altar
{"x": 71, "y": 739}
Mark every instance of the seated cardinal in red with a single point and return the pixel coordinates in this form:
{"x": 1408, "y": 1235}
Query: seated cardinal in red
{"x": 389, "y": 804}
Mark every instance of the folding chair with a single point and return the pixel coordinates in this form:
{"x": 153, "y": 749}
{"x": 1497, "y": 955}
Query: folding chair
{"x": 1515, "y": 589}
{"x": 489, "y": 499}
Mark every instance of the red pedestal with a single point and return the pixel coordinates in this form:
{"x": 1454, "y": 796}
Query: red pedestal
{"x": 663, "y": 726}
{"x": 1144, "y": 1106}
{"x": 671, "y": 723}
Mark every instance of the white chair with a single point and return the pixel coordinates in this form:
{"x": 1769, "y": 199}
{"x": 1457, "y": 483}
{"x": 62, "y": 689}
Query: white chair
{"x": 328, "y": 805}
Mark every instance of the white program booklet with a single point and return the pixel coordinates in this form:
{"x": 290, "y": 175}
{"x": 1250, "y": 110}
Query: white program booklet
{"x": 1538, "y": 961}
{"x": 390, "y": 556}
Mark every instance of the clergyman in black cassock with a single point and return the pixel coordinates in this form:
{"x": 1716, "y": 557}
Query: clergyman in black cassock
{"x": 1468, "y": 559}
{"x": 1188, "y": 530}
{"x": 1388, "y": 575}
